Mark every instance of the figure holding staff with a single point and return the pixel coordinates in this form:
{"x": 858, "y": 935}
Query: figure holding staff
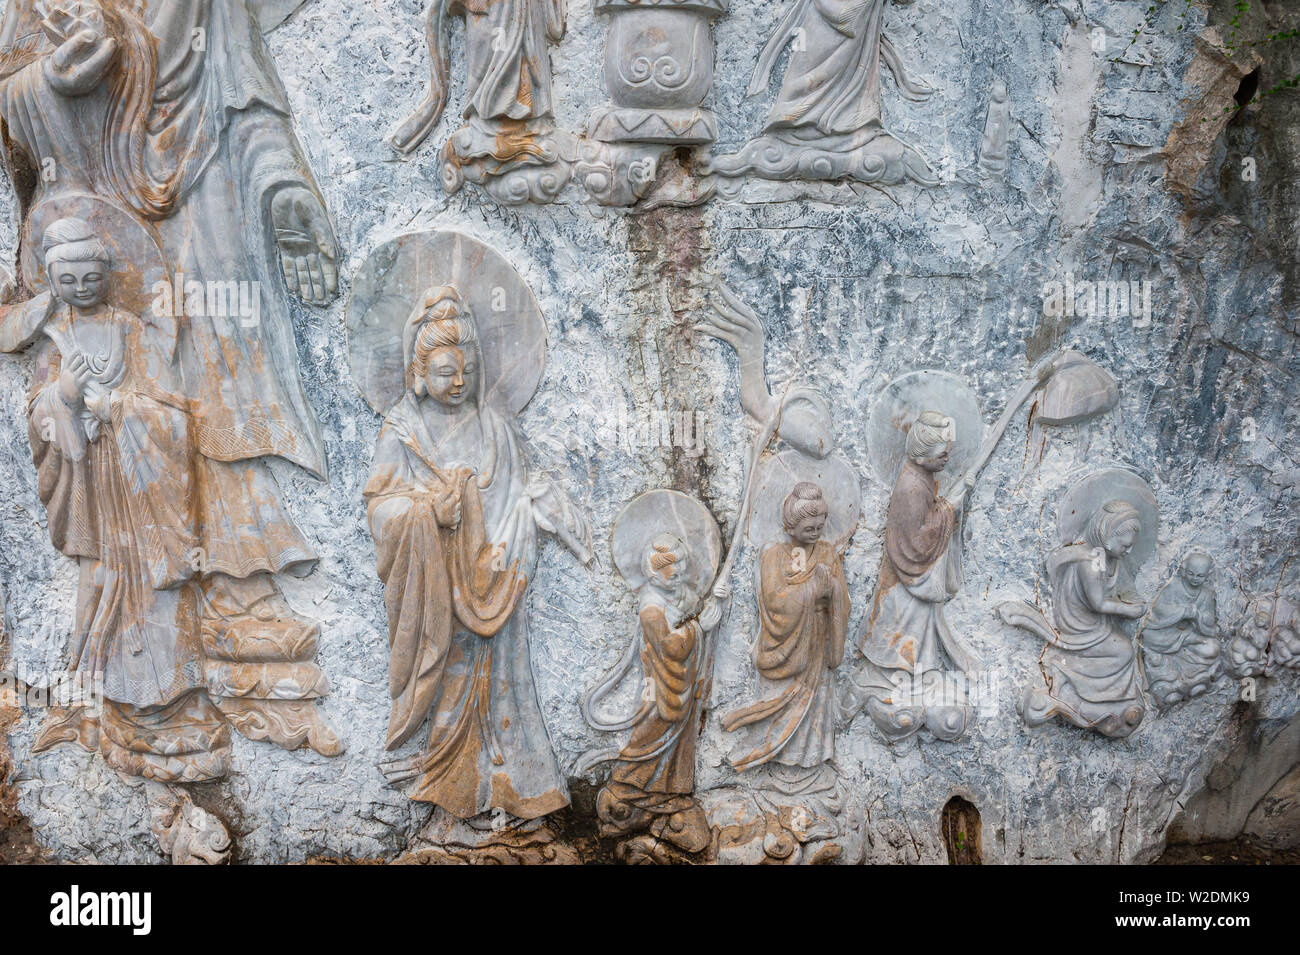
{"x": 800, "y": 509}
{"x": 666, "y": 547}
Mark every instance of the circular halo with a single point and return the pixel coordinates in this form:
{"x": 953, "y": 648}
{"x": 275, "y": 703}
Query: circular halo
{"x": 139, "y": 262}
{"x": 659, "y": 512}
{"x": 897, "y": 406}
{"x": 511, "y": 329}
{"x": 777, "y": 476}
{"x": 1111, "y": 484}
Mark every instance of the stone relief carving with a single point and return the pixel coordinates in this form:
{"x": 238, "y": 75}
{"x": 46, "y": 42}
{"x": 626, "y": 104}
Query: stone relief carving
{"x": 802, "y": 505}
{"x": 666, "y": 546}
{"x": 1180, "y": 634}
{"x": 658, "y": 70}
{"x": 187, "y": 834}
{"x": 1108, "y": 525}
{"x": 1073, "y": 389}
{"x": 508, "y": 144}
{"x": 913, "y": 670}
{"x": 826, "y": 121}
{"x": 456, "y": 513}
{"x": 1284, "y": 637}
{"x": 997, "y": 133}
{"x": 907, "y": 639}
{"x": 446, "y": 840}
{"x": 1267, "y": 638}
{"x": 803, "y": 613}
{"x": 165, "y": 368}
{"x": 756, "y": 826}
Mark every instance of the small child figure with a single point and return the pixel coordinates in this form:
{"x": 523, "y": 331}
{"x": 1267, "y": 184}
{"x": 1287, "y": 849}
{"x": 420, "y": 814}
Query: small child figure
{"x": 1180, "y": 640}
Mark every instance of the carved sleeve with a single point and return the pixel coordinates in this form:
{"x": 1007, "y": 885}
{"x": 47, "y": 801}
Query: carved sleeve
{"x": 665, "y": 657}
{"x": 919, "y": 524}
{"x": 554, "y": 19}
{"x": 269, "y": 154}
{"x": 55, "y": 429}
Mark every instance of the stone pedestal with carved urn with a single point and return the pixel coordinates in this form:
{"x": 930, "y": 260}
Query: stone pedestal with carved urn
{"x": 658, "y": 70}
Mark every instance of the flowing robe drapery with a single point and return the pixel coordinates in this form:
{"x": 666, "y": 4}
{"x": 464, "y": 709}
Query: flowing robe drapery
{"x": 458, "y": 628}
{"x": 1180, "y": 647}
{"x": 825, "y": 123}
{"x": 906, "y": 631}
{"x": 120, "y": 498}
{"x": 1091, "y": 667}
{"x": 509, "y": 66}
{"x": 198, "y": 176}
{"x": 508, "y": 106}
{"x": 218, "y": 146}
{"x": 655, "y": 770}
{"x": 831, "y": 86}
{"x": 800, "y": 643}
{"x": 1180, "y": 615}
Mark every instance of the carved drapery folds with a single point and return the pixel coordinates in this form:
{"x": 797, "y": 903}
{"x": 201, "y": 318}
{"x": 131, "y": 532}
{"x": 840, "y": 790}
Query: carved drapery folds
{"x": 508, "y": 143}
{"x": 666, "y": 547}
{"x": 448, "y": 343}
{"x": 914, "y": 671}
{"x": 825, "y": 123}
{"x": 1089, "y": 669}
{"x": 804, "y": 507}
{"x": 165, "y": 367}
{"x": 1180, "y": 633}
{"x": 1267, "y": 638}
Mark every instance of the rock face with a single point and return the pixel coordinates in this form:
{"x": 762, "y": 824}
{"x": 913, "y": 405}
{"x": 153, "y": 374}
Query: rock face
{"x": 983, "y": 196}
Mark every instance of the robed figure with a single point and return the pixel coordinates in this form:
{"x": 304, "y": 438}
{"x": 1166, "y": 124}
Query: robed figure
{"x": 1089, "y": 665}
{"x": 455, "y": 517}
{"x": 169, "y": 114}
{"x": 913, "y": 660}
{"x": 826, "y": 121}
{"x": 506, "y": 143}
{"x": 652, "y": 781}
{"x": 1180, "y": 636}
{"x": 804, "y": 615}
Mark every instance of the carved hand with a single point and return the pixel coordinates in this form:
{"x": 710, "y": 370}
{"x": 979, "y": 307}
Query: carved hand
{"x": 72, "y": 380}
{"x": 307, "y": 246}
{"x": 99, "y": 400}
{"x": 80, "y": 62}
{"x": 445, "y": 506}
{"x": 711, "y": 615}
{"x": 822, "y": 582}
{"x": 735, "y": 323}
{"x": 554, "y": 513}
{"x": 1126, "y": 606}
{"x": 1208, "y": 623}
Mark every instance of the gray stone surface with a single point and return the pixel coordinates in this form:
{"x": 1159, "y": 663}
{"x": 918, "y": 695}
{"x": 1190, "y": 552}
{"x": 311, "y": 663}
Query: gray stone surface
{"x": 855, "y": 286}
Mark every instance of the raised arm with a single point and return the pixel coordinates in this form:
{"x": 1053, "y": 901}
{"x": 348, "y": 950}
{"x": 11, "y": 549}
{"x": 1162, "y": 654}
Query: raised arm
{"x": 735, "y": 323}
